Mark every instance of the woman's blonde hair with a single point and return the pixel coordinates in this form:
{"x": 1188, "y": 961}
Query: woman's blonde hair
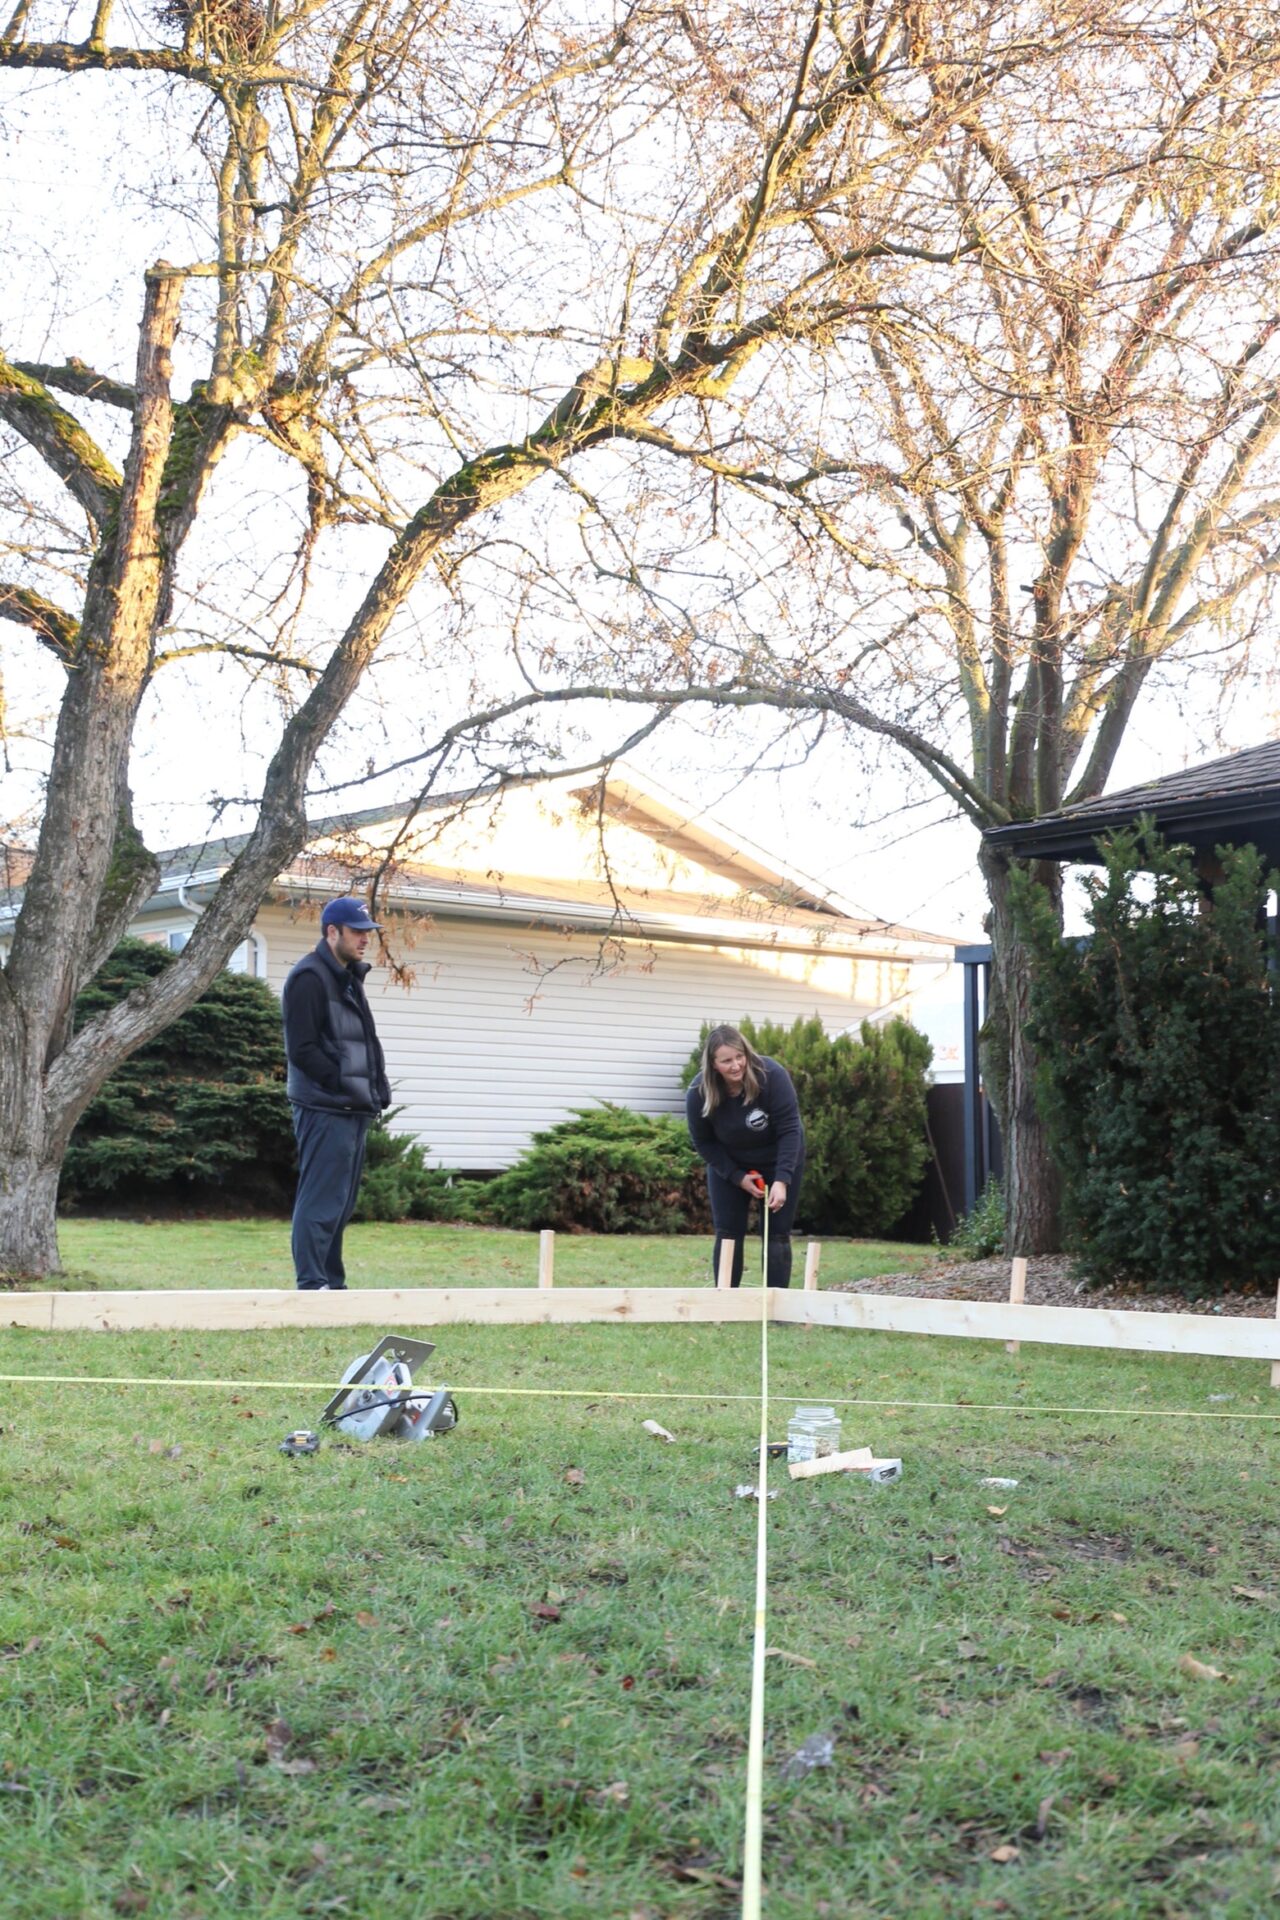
{"x": 712, "y": 1085}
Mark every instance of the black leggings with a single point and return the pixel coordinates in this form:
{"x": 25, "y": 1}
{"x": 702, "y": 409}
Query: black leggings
{"x": 730, "y": 1206}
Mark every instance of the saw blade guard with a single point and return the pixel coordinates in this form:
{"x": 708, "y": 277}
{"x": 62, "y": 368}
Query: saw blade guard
{"x": 377, "y": 1405}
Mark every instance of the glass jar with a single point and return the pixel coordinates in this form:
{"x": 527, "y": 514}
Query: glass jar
{"x": 812, "y": 1432}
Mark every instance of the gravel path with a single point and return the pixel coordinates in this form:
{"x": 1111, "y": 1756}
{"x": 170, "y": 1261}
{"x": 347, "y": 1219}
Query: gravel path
{"x": 1049, "y": 1284}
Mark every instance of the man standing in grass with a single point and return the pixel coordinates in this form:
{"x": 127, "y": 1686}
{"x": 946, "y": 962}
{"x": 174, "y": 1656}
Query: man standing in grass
{"x": 337, "y": 1087}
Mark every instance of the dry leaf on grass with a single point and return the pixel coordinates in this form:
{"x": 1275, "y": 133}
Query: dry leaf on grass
{"x": 1003, "y": 1855}
{"x": 796, "y": 1659}
{"x": 1197, "y": 1670}
{"x": 997, "y": 1513}
{"x": 575, "y": 1477}
{"x": 659, "y": 1433}
{"x": 366, "y": 1620}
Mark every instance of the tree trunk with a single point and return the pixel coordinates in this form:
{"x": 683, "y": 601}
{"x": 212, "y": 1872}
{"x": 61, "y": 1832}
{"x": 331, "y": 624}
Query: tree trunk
{"x": 28, "y": 1217}
{"x": 1032, "y": 1184}
{"x": 76, "y": 901}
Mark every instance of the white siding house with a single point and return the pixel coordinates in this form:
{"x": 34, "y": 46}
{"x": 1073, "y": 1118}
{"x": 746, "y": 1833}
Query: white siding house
{"x": 557, "y": 945}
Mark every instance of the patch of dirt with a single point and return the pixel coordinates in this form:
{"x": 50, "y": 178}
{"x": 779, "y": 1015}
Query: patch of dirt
{"x": 1091, "y": 1703}
{"x": 1115, "y": 1547}
{"x": 1051, "y": 1282}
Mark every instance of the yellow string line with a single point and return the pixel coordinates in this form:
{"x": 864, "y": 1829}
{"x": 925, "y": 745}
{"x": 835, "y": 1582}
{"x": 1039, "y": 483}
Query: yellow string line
{"x": 753, "y": 1832}
{"x": 613, "y": 1393}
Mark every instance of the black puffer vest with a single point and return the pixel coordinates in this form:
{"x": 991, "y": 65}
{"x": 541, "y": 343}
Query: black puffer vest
{"x": 350, "y": 1038}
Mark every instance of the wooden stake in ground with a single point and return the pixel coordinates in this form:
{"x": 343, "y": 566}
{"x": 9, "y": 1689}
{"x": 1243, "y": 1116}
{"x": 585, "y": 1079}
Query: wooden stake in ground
{"x": 813, "y": 1254}
{"x": 1017, "y": 1296}
{"x": 724, "y": 1277}
{"x": 1275, "y": 1364}
{"x": 546, "y": 1258}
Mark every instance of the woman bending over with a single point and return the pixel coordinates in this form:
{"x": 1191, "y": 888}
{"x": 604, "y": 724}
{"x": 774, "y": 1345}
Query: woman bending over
{"x": 744, "y": 1121}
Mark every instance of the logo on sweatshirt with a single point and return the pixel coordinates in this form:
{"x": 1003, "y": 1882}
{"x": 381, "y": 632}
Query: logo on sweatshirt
{"x": 757, "y": 1119}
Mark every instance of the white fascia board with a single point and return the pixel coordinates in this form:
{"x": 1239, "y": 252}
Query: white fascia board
{"x": 442, "y": 900}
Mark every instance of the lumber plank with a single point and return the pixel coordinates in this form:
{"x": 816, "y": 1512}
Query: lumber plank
{"x": 243, "y": 1310}
{"x": 1235, "y": 1338}
{"x": 27, "y": 1310}
{"x": 853, "y": 1460}
{"x": 234, "y": 1309}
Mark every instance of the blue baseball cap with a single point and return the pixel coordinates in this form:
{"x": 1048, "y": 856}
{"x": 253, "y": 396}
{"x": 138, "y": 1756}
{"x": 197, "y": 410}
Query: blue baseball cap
{"x": 348, "y": 912}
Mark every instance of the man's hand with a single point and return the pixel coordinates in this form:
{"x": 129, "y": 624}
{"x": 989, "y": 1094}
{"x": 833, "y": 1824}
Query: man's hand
{"x": 777, "y": 1195}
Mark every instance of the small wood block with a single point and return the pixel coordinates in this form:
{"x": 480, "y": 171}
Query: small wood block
{"x": 856, "y": 1460}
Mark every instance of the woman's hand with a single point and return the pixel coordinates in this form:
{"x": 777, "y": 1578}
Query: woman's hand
{"x": 753, "y": 1183}
{"x": 777, "y": 1195}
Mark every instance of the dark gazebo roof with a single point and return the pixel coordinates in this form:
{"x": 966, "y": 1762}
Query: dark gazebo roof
{"x": 1225, "y": 802}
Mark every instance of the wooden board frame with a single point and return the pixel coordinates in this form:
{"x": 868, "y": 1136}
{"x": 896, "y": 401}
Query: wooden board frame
{"x": 211, "y": 1310}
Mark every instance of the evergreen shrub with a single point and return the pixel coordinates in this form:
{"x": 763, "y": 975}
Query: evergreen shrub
{"x": 1159, "y": 1048}
{"x": 198, "y": 1108}
{"x": 980, "y": 1233}
{"x": 863, "y": 1106}
{"x": 607, "y": 1170}
{"x": 397, "y": 1183}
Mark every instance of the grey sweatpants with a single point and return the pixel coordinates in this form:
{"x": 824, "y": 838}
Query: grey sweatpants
{"x": 330, "y": 1162}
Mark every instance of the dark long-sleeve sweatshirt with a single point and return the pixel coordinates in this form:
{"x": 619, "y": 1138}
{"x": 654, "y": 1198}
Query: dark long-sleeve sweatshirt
{"x": 740, "y": 1136}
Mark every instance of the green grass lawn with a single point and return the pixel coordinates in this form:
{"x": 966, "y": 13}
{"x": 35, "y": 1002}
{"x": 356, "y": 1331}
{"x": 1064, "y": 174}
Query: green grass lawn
{"x": 505, "y": 1675}
{"x": 255, "y": 1253}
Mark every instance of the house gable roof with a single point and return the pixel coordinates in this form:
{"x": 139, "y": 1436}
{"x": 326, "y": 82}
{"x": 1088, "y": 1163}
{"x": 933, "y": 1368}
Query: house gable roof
{"x": 720, "y": 885}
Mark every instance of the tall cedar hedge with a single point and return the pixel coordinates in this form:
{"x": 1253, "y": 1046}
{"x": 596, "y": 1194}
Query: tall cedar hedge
{"x": 863, "y": 1107}
{"x": 1159, "y": 1043}
{"x": 200, "y": 1109}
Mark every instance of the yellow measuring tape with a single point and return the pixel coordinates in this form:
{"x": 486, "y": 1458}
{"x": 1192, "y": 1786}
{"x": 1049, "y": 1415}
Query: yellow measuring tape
{"x": 616, "y": 1393}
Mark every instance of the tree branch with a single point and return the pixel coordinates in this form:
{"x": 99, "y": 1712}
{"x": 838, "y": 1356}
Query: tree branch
{"x": 62, "y": 443}
{"x": 67, "y": 56}
{"x": 74, "y": 377}
{"x": 237, "y": 653}
{"x": 50, "y": 624}
{"x": 799, "y": 699}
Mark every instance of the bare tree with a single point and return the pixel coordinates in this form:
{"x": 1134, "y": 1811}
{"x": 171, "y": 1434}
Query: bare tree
{"x": 1062, "y": 480}
{"x": 421, "y": 220}
{"x": 1013, "y": 493}
{"x": 889, "y": 365}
